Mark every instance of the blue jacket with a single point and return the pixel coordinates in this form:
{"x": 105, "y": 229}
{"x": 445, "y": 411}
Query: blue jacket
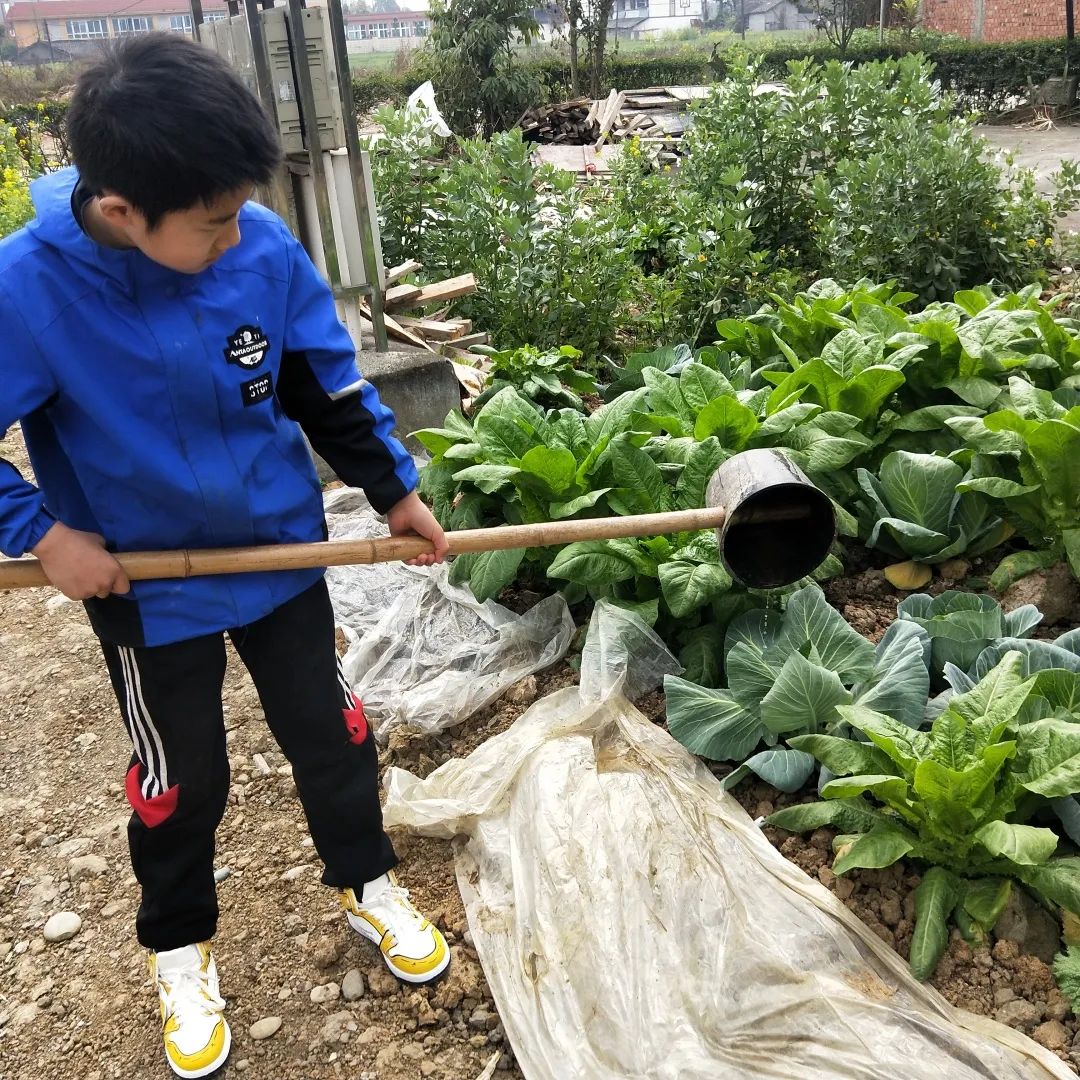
{"x": 164, "y": 410}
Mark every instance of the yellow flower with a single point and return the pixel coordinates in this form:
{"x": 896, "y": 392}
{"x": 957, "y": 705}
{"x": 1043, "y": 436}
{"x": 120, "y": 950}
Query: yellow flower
{"x": 1032, "y": 243}
{"x": 1048, "y": 242}
{"x": 41, "y": 106}
{"x": 701, "y": 257}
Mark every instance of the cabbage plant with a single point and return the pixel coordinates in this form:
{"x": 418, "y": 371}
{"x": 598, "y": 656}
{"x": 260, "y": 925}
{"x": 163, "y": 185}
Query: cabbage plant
{"x": 786, "y": 675}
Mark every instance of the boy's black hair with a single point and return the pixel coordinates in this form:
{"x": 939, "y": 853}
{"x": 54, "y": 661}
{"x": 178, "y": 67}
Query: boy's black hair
{"x": 166, "y": 123}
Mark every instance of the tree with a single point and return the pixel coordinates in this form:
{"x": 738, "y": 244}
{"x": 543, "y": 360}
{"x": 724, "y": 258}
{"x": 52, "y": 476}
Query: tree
{"x": 586, "y": 34}
{"x": 482, "y": 88}
{"x": 841, "y": 18}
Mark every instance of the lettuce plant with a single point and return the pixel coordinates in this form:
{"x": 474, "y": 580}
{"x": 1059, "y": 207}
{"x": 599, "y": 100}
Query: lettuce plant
{"x": 786, "y": 675}
{"x": 956, "y": 798}
{"x": 913, "y": 509}
{"x": 550, "y": 379}
{"x": 1026, "y": 461}
{"x": 961, "y": 625}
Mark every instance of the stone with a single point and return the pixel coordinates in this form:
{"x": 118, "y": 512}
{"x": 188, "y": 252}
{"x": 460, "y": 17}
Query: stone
{"x": 25, "y": 1014}
{"x": 1019, "y": 1014}
{"x": 482, "y": 1020}
{"x": 523, "y": 692}
{"x": 63, "y": 926}
{"x": 296, "y": 872}
{"x": 1053, "y": 1035}
{"x": 381, "y": 983}
{"x": 418, "y": 387}
{"x": 324, "y": 952}
{"x": 891, "y": 911}
{"x": 265, "y": 1028}
{"x": 1003, "y": 996}
{"x": 323, "y": 995}
{"x": 352, "y": 986}
{"x": 113, "y": 908}
{"x": 87, "y": 866}
{"x": 953, "y": 570}
{"x": 826, "y": 876}
{"x": 1030, "y": 926}
{"x": 1054, "y": 592}
{"x": 844, "y": 887}
{"x": 85, "y": 740}
{"x": 339, "y": 1027}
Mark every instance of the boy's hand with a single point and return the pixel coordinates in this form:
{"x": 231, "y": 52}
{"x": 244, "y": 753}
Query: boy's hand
{"x": 411, "y": 516}
{"x": 78, "y": 565}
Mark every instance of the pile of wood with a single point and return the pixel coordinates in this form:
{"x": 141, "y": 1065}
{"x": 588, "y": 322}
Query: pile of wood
{"x": 572, "y": 122}
{"x": 656, "y": 115}
{"x": 434, "y": 333}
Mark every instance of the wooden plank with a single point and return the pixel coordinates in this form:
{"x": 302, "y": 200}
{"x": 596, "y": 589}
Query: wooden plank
{"x": 398, "y": 332}
{"x": 398, "y": 272}
{"x": 402, "y": 294}
{"x": 471, "y": 339}
{"x": 607, "y": 114}
{"x": 440, "y": 292}
{"x": 433, "y": 329}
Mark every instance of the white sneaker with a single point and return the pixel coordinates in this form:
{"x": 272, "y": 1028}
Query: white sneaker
{"x": 413, "y": 949}
{"x": 197, "y": 1038}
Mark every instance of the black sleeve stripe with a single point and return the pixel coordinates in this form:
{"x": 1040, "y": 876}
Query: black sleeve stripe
{"x": 341, "y": 430}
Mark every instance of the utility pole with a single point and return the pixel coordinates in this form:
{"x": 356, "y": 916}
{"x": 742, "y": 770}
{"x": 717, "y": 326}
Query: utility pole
{"x": 1070, "y": 20}
{"x": 881, "y": 22}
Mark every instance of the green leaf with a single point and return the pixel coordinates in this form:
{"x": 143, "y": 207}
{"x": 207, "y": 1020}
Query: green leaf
{"x": 848, "y": 354}
{"x": 804, "y": 698}
{"x": 921, "y": 488}
{"x": 810, "y": 620}
{"x": 1020, "y": 844}
{"x": 506, "y": 426}
{"x": 592, "y": 563}
{"x": 665, "y": 397}
{"x": 705, "y": 458}
{"x": 903, "y": 746}
{"x": 556, "y": 467}
{"x": 640, "y": 477}
{"x": 492, "y": 571}
{"x": 865, "y": 395}
{"x": 614, "y": 418}
{"x": 843, "y": 757}
{"x": 999, "y": 694}
{"x": 847, "y": 815}
{"x": 688, "y": 586}
{"x": 1018, "y": 565}
{"x": 729, "y": 420}
{"x": 885, "y": 787}
{"x": 881, "y": 846}
{"x": 900, "y": 683}
{"x": 488, "y": 478}
{"x": 560, "y": 510}
{"x": 935, "y": 897}
{"x": 702, "y": 655}
{"x": 1057, "y": 880}
{"x": 785, "y": 770}
{"x": 710, "y": 723}
{"x": 984, "y": 900}
{"x": 699, "y": 385}
{"x": 1048, "y": 758}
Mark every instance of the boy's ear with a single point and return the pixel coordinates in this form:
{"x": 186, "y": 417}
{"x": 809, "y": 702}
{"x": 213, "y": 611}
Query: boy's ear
{"x": 117, "y": 211}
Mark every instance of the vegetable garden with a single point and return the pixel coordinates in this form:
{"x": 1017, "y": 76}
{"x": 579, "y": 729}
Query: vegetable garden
{"x": 938, "y": 405}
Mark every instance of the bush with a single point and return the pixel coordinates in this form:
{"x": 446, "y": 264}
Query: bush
{"x": 863, "y": 171}
{"x": 16, "y": 208}
{"x": 981, "y": 77}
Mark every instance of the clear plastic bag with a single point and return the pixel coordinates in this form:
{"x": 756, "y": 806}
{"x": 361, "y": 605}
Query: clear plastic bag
{"x": 633, "y": 922}
{"x": 423, "y": 651}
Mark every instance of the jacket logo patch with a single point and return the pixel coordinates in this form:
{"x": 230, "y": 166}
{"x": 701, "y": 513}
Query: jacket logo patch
{"x": 257, "y": 390}
{"x": 247, "y": 347}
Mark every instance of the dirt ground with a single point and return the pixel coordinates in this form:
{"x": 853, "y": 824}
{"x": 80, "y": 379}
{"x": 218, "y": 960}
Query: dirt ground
{"x": 84, "y": 1009}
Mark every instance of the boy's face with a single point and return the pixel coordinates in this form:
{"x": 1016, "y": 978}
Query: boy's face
{"x": 188, "y": 241}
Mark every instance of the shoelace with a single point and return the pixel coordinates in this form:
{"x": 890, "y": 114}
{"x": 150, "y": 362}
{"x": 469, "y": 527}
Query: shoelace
{"x": 397, "y": 894}
{"x": 190, "y": 989}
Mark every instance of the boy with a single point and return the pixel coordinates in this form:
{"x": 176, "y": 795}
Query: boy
{"x": 163, "y": 341}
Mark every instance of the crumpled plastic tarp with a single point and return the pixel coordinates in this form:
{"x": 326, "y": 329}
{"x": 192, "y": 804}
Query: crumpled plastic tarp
{"x": 633, "y": 922}
{"x": 423, "y": 651}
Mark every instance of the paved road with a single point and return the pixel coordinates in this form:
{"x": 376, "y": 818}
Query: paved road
{"x": 1042, "y": 151}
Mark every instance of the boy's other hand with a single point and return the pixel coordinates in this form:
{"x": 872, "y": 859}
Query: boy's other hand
{"x": 78, "y": 565}
{"x": 412, "y": 517}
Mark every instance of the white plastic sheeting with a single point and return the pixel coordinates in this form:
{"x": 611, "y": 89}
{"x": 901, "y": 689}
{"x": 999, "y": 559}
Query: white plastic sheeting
{"x": 632, "y": 921}
{"x": 422, "y": 651}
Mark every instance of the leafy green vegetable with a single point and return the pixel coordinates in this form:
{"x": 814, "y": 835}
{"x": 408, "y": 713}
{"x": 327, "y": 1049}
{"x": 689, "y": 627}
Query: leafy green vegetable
{"x": 1067, "y": 975}
{"x": 549, "y": 378}
{"x": 912, "y": 509}
{"x": 958, "y": 798}
{"x": 786, "y": 675}
{"x": 961, "y": 625}
{"x": 1025, "y": 461}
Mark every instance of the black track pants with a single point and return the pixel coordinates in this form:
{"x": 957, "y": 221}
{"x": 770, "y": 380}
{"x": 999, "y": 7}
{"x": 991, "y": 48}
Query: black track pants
{"x": 178, "y": 780}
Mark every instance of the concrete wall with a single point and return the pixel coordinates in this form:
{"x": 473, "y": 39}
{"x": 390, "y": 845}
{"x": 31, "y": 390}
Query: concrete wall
{"x": 996, "y": 20}
{"x": 782, "y": 17}
{"x": 26, "y": 32}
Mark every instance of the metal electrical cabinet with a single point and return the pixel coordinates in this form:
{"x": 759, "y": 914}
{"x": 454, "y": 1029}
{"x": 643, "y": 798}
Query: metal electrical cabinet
{"x": 324, "y": 192}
